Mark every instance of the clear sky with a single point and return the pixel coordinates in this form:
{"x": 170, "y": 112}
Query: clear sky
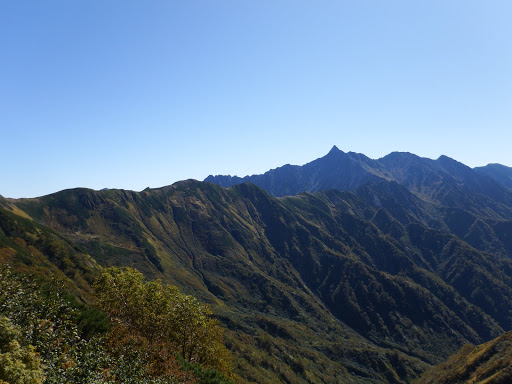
{"x": 131, "y": 94}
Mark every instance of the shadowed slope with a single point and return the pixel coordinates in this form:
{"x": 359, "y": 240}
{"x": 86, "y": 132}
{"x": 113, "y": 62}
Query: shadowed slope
{"x": 498, "y": 172}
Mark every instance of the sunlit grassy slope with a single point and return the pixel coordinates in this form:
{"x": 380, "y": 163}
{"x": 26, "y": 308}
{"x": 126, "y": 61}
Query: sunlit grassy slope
{"x": 489, "y": 363}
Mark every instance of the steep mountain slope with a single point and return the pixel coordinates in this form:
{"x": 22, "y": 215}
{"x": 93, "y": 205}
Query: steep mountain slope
{"x": 326, "y": 287}
{"x": 489, "y": 363}
{"x": 34, "y": 248}
{"x": 280, "y": 326}
{"x": 498, "y": 172}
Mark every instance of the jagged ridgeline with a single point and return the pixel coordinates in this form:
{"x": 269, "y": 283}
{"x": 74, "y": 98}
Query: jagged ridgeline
{"x": 372, "y": 284}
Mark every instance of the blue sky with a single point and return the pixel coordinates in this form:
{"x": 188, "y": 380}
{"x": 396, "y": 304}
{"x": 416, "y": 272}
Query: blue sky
{"x": 131, "y": 94}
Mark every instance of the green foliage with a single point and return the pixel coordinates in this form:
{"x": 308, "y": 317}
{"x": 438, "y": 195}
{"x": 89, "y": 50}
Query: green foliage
{"x": 159, "y": 315}
{"x": 205, "y": 375}
{"x": 18, "y": 364}
{"x": 489, "y": 363}
{"x": 50, "y": 324}
{"x": 41, "y": 342}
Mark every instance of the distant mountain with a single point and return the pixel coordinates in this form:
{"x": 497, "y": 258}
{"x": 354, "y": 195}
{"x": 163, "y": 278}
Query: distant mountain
{"x": 444, "y": 181}
{"x": 336, "y": 170}
{"x": 498, "y": 172}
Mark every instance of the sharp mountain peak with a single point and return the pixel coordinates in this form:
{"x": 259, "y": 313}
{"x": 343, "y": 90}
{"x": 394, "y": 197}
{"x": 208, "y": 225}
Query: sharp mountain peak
{"x": 334, "y": 150}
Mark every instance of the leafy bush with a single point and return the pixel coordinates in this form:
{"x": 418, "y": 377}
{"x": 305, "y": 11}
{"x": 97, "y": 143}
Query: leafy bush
{"x": 156, "y": 320}
{"x": 40, "y": 342}
{"x": 18, "y": 364}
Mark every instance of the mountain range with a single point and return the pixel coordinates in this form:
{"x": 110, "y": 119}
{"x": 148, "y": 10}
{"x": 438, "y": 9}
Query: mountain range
{"x": 346, "y": 269}
{"x": 444, "y": 181}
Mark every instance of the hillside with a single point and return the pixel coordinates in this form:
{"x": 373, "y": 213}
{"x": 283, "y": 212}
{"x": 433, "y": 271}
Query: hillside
{"x": 38, "y": 250}
{"x": 370, "y": 285}
{"x": 489, "y": 363}
{"x": 278, "y": 324}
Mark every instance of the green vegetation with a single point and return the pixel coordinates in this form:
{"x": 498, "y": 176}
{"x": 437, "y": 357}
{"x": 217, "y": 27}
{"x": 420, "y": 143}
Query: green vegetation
{"x": 38, "y": 250}
{"x": 48, "y": 325}
{"x": 370, "y": 286}
{"x": 41, "y": 342}
{"x": 158, "y": 319}
{"x": 18, "y": 364}
{"x": 489, "y": 363}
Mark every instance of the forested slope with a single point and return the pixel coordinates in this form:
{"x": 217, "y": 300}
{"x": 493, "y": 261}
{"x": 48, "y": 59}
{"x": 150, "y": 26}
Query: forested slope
{"x": 372, "y": 285}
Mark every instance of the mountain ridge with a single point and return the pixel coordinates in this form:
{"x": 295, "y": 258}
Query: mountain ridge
{"x": 372, "y": 284}
{"x": 243, "y": 250}
{"x": 498, "y": 172}
{"x": 444, "y": 181}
